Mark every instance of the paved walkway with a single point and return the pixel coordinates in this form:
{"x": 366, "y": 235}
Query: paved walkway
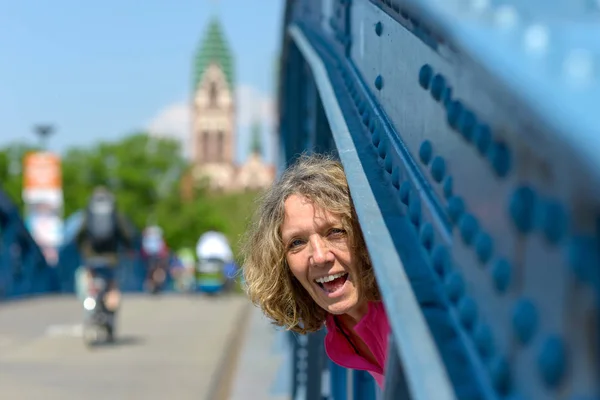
{"x": 262, "y": 370}
{"x": 168, "y": 347}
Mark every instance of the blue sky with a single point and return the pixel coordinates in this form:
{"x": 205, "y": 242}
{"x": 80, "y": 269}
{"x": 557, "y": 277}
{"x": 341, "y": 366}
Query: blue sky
{"x": 100, "y": 70}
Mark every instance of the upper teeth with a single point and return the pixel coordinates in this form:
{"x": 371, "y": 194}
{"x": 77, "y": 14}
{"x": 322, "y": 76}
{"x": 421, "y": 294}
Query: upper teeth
{"x": 329, "y": 278}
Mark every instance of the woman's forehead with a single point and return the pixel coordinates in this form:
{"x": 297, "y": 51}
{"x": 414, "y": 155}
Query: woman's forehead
{"x": 302, "y": 213}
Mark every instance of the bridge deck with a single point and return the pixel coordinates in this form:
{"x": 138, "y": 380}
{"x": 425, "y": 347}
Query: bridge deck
{"x": 263, "y": 368}
{"x": 168, "y": 347}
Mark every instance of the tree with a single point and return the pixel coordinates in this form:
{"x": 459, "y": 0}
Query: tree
{"x": 144, "y": 172}
{"x": 11, "y": 171}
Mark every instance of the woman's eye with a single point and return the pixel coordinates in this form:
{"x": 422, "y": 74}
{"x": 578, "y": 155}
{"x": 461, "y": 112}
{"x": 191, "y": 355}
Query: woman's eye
{"x": 295, "y": 243}
{"x": 337, "y": 232}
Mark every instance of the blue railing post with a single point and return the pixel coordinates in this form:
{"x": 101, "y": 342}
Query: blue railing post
{"x": 298, "y": 353}
{"x": 338, "y": 377}
{"x": 308, "y": 358}
{"x": 363, "y": 385}
{"x": 315, "y": 364}
{"x": 396, "y": 387}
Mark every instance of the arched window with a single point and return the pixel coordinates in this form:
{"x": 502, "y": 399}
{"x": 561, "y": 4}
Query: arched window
{"x": 212, "y": 95}
{"x": 221, "y": 146}
{"x": 205, "y": 147}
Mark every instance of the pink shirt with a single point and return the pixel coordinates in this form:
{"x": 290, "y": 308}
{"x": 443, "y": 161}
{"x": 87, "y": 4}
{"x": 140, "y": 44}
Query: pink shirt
{"x": 373, "y": 329}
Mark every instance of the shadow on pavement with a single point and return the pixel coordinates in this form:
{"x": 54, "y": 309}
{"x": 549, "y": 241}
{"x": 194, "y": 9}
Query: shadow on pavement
{"x": 126, "y": 340}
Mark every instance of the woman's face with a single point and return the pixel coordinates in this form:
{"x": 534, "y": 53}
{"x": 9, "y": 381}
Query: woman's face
{"x": 319, "y": 256}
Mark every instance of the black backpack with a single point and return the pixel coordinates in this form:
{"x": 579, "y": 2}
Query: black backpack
{"x": 101, "y": 223}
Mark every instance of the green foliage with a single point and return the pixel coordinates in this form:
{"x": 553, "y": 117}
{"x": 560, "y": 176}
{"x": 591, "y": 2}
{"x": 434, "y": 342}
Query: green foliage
{"x": 144, "y": 173}
{"x": 233, "y": 212}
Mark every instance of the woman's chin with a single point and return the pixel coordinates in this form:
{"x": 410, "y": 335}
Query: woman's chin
{"x": 342, "y": 306}
{"x": 338, "y": 302}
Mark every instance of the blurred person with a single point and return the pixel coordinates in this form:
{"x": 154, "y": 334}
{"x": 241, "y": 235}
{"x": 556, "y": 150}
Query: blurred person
{"x": 156, "y": 254}
{"x": 214, "y": 254}
{"x": 185, "y": 274}
{"x": 102, "y": 232}
{"x": 307, "y": 267}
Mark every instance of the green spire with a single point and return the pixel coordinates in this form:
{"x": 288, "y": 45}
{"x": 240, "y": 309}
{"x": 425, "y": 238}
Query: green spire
{"x": 256, "y": 143}
{"x": 214, "y": 49}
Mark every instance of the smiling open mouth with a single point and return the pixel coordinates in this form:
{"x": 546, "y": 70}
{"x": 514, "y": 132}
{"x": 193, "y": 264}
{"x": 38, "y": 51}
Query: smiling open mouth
{"x": 333, "y": 282}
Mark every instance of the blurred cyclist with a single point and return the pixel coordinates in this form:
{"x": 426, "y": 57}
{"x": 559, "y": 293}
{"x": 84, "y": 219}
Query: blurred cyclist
{"x": 102, "y": 232}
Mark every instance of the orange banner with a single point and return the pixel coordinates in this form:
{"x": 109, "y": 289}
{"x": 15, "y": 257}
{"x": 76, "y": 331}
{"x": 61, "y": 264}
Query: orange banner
{"x": 42, "y": 171}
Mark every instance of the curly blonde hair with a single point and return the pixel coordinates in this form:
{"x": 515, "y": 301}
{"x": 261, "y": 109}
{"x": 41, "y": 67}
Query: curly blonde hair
{"x": 269, "y": 282}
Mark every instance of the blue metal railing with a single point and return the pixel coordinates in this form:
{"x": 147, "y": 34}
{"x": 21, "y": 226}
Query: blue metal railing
{"x": 23, "y": 269}
{"x": 473, "y": 164}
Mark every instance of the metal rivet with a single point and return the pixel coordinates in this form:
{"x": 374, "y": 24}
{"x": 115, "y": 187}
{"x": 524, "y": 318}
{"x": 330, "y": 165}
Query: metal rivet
{"x": 536, "y": 39}
{"x": 455, "y": 286}
{"x": 366, "y": 117}
{"x": 500, "y": 375}
{"x": 378, "y": 82}
{"x": 579, "y": 67}
{"x": 376, "y": 138}
{"x": 448, "y": 187}
{"x": 440, "y": 259}
{"x": 456, "y": 207}
{"x": 466, "y": 124}
{"x": 378, "y": 28}
{"x": 583, "y": 258}
{"x": 438, "y": 84}
{"x": 467, "y": 312}
{"x": 426, "y": 235}
{"x": 524, "y": 320}
{"x": 482, "y": 136}
{"x": 438, "y": 169}
{"x": 373, "y": 125}
{"x": 425, "y": 74}
{"x": 499, "y": 156}
{"x": 552, "y": 361}
{"x": 396, "y": 177}
{"x": 455, "y": 109}
{"x": 522, "y": 208}
{"x": 425, "y": 152}
{"x": 404, "y": 192}
{"x": 468, "y": 228}
{"x": 388, "y": 164}
{"x": 480, "y": 5}
{"x": 554, "y": 221}
{"x": 362, "y": 107}
{"x": 484, "y": 341}
{"x": 447, "y": 97}
{"x": 382, "y": 148}
{"x": 501, "y": 275}
{"x": 483, "y": 247}
{"x": 414, "y": 208}
{"x": 506, "y": 17}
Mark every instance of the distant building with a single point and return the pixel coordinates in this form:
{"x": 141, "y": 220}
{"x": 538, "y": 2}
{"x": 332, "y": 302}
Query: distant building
{"x": 213, "y": 134}
{"x": 254, "y": 173}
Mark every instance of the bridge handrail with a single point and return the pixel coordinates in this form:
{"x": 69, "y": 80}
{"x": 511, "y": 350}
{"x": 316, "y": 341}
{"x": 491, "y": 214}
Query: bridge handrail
{"x": 426, "y": 376}
{"x": 14, "y": 238}
{"x": 450, "y": 245}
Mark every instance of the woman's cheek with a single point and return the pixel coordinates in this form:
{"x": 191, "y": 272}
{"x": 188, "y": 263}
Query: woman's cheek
{"x": 295, "y": 268}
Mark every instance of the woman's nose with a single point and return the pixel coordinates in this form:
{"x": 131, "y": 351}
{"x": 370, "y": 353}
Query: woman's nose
{"x": 320, "y": 251}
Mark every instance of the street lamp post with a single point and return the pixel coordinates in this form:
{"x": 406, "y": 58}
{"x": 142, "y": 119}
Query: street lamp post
{"x": 43, "y": 132}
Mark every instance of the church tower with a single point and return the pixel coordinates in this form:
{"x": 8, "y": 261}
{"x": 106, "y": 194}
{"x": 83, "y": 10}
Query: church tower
{"x": 213, "y": 104}
{"x": 255, "y": 174}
